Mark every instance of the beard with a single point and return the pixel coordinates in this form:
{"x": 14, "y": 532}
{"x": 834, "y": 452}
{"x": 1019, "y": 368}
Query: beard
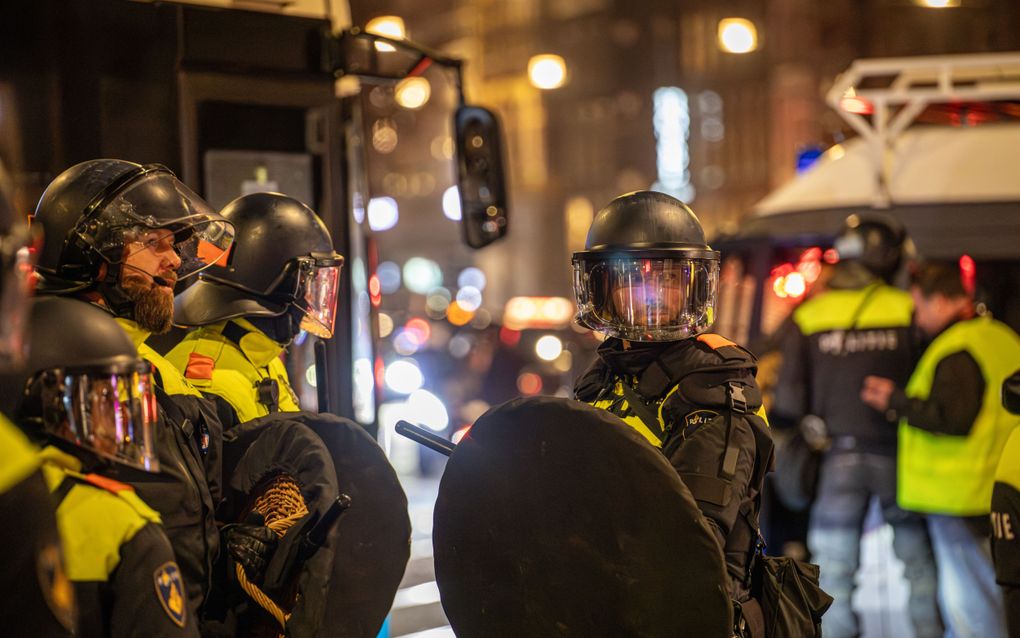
{"x": 154, "y": 305}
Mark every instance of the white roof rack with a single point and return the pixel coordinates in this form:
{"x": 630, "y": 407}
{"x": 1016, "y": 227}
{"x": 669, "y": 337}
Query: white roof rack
{"x": 913, "y": 84}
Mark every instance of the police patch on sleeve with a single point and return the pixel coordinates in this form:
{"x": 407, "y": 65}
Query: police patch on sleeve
{"x": 696, "y": 419}
{"x": 170, "y": 591}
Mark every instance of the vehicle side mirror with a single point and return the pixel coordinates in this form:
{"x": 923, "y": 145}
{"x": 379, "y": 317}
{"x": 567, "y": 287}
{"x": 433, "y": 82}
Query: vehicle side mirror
{"x": 481, "y": 179}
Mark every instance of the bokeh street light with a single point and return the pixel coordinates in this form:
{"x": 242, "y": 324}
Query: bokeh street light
{"x": 389, "y": 26}
{"x": 413, "y": 93}
{"x": 547, "y": 71}
{"x": 737, "y": 35}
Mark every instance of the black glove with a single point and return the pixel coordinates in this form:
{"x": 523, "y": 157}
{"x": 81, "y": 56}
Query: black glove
{"x": 251, "y": 544}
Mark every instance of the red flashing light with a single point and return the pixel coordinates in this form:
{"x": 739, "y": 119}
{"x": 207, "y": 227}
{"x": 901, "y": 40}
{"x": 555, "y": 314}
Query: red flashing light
{"x": 510, "y": 338}
{"x": 380, "y": 373}
{"x": 529, "y": 383}
{"x": 374, "y": 290}
{"x": 856, "y": 105}
{"x": 968, "y": 274}
{"x": 830, "y": 256}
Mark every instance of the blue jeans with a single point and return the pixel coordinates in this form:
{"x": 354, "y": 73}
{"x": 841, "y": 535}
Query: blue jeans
{"x": 972, "y": 603}
{"x": 847, "y": 484}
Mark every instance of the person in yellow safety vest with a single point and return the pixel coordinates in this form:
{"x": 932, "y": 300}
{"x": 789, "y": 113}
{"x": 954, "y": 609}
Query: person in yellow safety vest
{"x": 37, "y": 599}
{"x": 121, "y": 235}
{"x": 952, "y": 432}
{"x": 1005, "y": 514}
{"x": 282, "y": 277}
{"x": 88, "y": 398}
{"x": 860, "y": 326}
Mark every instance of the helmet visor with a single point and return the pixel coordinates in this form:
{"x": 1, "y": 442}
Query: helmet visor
{"x": 158, "y": 212}
{"x": 320, "y": 283}
{"x": 18, "y": 251}
{"x": 646, "y": 299}
{"x": 112, "y": 414}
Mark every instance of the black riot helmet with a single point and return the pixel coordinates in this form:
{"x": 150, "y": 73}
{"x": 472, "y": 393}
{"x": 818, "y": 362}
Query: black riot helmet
{"x": 85, "y": 390}
{"x": 646, "y": 273}
{"x": 874, "y": 240}
{"x": 18, "y": 249}
{"x": 282, "y": 265}
{"x": 99, "y": 211}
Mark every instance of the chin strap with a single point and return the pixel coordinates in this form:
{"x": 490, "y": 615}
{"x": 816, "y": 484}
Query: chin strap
{"x": 281, "y": 329}
{"x": 114, "y": 296}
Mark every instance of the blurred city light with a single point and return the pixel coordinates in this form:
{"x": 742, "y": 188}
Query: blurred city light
{"x": 460, "y": 346}
{"x": 471, "y": 276}
{"x": 469, "y": 298}
{"x": 853, "y": 104}
{"x": 537, "y": 312}
{"x": 459, "y": 435}
{"x": 389, "y": 277}
{"x": 413, "y": 92}
{"x": 509, "y": 336}
{"x": 384, "y": 135}
{"x": 436, "y": 303}
{"x": 422, "y": 275}
{"x": 385, "y": 325}
{"x": 458, "y": 315}
{"x": 547, "y": 71}
{"x": 310, "y": 375}
{"x": 671, "y": 121}
{"x": 529, "y": 383}
{"x": 421, "y": 329}
{"x": 737, "y": 35}
{"x": 939, "y": 4}
{"x": 564, "y": 362}
{"x": 482, "y": 319}
{"x": 451, "y": 203}
{"x": 389, "y": 26}
{"x": 406, "y": 342}
{"x": 374, "y": 290}
{"x": 382, "y": 213}
{"x": 364, "y": 390}
{"x": 835, "y": 152}
{"x": 428, "y": 410}
{"x": 403, "y": 376}
{"x": 548, "y": 348}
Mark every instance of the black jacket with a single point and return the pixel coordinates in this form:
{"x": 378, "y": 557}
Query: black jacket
{"x": 722, "y": 454}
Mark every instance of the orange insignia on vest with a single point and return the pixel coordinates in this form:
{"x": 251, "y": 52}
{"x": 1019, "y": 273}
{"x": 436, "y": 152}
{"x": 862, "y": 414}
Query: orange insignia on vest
{"x": 199, "y": 366}
{"x": 715, "y": 341}
{"x": 108, "y": 484}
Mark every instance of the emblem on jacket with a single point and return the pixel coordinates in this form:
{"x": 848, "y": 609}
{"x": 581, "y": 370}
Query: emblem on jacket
{"x": 696, "y": 419}
{"x": 170, "y": 591}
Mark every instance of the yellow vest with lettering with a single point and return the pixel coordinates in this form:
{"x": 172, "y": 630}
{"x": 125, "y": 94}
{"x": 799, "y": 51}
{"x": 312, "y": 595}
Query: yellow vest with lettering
{"x": 953, "y": 475}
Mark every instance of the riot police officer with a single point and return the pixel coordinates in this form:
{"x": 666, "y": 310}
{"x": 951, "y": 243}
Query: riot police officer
{"x": 90, "y": 401}
{"x": 647, "y": 279}
{"x": 282, "y": 277}
{"x": 37, "y": 599}
{"x": 120, "y": 235}
{"x": 1005, "y": 514}
{"x": 861, "y": 326}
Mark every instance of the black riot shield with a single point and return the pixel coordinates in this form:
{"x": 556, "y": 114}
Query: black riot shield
{"x": 345, "y": 588}
{"x": 557, "y": 519}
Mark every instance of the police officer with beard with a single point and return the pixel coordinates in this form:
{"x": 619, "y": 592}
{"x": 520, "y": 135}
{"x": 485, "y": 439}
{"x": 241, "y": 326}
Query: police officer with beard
{"x": 647, "y": 280}
{"x": 120, "y": 235}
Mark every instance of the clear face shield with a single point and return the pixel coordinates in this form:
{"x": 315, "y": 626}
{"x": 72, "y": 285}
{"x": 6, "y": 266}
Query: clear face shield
{"x": 318, "y": 287}
{"x": 656, "y": 299}
{"x": 157, "y": 212}
{"x": 18, "y": 251}
{"x": 112, "y": 413}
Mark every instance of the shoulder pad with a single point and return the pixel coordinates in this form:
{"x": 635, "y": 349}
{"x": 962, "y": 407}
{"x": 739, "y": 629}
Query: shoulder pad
{"x": 728, "y": 350}
{"x": 107, "y": 484}
{"x": 200, "y": 367}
